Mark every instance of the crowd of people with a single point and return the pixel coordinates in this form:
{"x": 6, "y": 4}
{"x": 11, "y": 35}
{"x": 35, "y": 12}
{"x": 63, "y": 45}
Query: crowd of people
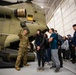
{"x": 55, "y": 49}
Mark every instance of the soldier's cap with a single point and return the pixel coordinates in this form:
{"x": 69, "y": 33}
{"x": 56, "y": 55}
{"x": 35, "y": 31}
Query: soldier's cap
{"x": 26, "y": 29}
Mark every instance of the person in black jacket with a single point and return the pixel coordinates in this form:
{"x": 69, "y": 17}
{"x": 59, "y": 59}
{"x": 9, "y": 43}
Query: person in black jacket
{"x": 74, "y": 45}
{"x": 47, "y": 50}
{"x": 40, "y": 49}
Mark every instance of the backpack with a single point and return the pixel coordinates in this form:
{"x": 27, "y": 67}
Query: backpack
{"x": 65, "y": 45}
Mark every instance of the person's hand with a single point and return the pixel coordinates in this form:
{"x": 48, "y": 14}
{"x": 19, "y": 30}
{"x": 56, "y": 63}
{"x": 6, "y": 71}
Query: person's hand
{"x": 20, "y": 29}
{"x": 70, "y": 40}
{"x": 75, "y": 48}
{"x": 38, "y": 48}
{"x": 72, "y": 45}
{"x": 58, "y": 47}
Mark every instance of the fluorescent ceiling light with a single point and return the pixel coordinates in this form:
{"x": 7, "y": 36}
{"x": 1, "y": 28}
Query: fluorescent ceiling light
{"x": 42, "y": 7}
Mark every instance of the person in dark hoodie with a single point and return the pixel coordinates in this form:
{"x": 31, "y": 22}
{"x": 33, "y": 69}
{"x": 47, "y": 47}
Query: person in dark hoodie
{"x": 70, "y": 45}
{"x": 40, "y": 49}
{"x": 74, "y": 44}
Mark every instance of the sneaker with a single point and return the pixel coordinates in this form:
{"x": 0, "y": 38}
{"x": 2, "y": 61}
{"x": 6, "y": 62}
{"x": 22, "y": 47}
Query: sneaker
{"x": 61, "y": 66}
{"x": 64, "y": 59}
{"x": 73, "y": 62}
{"x": 57, "y": 69}
{"x": 67, "y": 60}
{"x": 42, "y": 68}
{"x": 46, "y": 63}
{"x": 70, "y": 59}
{"x": 52, "y": 67}
{"x": 17, "y": 68}
{"x": 49, "y": 63}
{"x": 39, "y": 68}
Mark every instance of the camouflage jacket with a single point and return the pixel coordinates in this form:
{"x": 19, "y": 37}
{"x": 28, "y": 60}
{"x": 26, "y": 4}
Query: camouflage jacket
{"x": 23, "y": 40}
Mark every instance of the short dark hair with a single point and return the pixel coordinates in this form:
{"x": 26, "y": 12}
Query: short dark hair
{"x": 74, "y": 25}
{"x": 26, "y": 29}
{"x": 52, "y": 29}
{"x": 39, "y": 31}
{"x": 55, "y": 30}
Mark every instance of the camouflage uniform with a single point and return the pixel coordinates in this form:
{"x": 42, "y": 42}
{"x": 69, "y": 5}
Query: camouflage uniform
{"x": 22, "y": 53}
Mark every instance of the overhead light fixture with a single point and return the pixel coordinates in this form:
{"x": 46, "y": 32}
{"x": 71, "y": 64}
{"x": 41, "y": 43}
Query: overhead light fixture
{"x": 42, "y": 7}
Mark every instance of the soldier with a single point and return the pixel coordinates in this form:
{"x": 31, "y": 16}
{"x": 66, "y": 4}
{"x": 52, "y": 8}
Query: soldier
{"x": 23, "y": 49}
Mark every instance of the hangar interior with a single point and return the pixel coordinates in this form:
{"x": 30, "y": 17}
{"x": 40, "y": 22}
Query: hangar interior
{"x": 57, "y": 14}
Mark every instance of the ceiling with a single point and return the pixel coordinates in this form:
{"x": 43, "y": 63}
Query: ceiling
{"x": 47, "y": 4}
{"x": 43, "y": 3}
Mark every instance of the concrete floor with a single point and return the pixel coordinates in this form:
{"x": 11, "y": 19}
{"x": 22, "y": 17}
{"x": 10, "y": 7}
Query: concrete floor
{"x": 68, "y": 69}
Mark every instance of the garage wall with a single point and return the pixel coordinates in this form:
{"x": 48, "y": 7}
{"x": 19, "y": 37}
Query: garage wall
{"x": 64, "y": 17}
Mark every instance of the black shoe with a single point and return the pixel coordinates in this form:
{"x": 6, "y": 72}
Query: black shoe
{"x": 57, "y": 69}
{"x": 61, "y": 66}
{"x": 73, "y": 62}
{"x": 52, "y": 67}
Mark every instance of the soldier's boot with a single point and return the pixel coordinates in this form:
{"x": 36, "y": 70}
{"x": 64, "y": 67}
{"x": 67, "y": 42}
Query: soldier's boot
{"x": 17, "y": 68}
{"x": 26, "y": 64}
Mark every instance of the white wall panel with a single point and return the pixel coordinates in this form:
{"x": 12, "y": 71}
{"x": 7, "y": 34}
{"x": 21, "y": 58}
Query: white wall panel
{"x": 72, "y": 8}
{"x": 64, "y": 18}
{"x": 69, "y": 24}
{"x": 65, "y": 7}
{"x": 71, "y": 2}
{"x": 68, "y": 32}
{"x": 51, "y": 23}
{"x": 61, "y": 31}
{"x": 74, "y": 21}
{"x": 67, "y": 19}
{"x": 58, "y": 26}
{"x": 58, "y": 20}
{"x": 56, "y": 17}
{"x": 73, "y": 15}
{"x": 66, "y": 13}
{"x": 67, "y": 27}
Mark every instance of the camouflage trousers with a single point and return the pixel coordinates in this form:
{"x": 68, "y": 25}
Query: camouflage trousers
{"x": 22, "y": 53}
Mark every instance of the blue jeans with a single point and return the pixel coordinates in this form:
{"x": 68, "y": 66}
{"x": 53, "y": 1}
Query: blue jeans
{"x": 47, "y": 55}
